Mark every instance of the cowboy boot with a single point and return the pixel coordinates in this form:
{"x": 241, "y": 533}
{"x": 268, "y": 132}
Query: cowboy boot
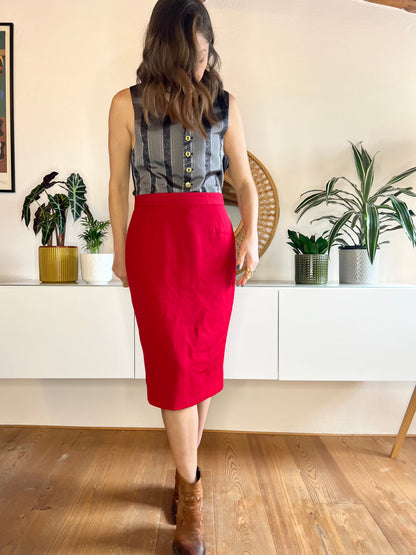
{"x": 175, "y": 499}
{"x": 188, "y": 539}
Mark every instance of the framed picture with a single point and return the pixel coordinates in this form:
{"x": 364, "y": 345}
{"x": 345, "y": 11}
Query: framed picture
{"x": 7, "y": 179}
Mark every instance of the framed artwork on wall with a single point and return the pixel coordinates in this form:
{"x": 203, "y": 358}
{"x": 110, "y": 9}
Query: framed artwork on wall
{"x": 7, "y": 177}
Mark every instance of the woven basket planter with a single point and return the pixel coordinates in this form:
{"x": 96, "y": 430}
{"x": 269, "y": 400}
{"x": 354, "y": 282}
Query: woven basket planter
{"x": 268, "y": 205}
{"x": 311, "y": 269}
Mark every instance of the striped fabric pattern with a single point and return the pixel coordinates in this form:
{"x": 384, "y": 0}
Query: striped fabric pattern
{"x": 167, "y": 158}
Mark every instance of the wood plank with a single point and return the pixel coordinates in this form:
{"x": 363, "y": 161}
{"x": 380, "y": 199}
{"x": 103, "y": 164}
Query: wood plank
{"x": 287, "y": 501}
{"x": 349, "y": 528}
{"x": 241, "y": 523}
{"x": 396, "y": 477}
{"x": 323, "y": 478}
{"x": 396, "y": 517}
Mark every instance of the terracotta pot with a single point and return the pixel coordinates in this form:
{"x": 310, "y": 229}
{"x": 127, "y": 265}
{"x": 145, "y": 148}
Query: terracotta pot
{"x": 58, "y": 264}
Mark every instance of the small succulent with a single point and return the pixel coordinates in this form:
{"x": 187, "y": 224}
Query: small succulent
{"x": 94, "y": 233}
{"x": 301, "y": 244}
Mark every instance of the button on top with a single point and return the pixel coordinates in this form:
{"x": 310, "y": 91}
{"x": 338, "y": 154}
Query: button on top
{"x": 187, "y": 154}
{"x": 187, "y": 184}
{"x": 187, "y": 138}
{"x": 188, "y": 170}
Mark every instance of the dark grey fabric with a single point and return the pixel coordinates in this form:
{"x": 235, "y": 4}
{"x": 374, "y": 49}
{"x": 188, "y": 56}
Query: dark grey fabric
{"x": 167, "y": 158}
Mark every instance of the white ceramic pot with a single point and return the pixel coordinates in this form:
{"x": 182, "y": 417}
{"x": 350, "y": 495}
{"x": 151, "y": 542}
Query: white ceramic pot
{"x": 355, "y": 266}
{"x": 96, "y": 268}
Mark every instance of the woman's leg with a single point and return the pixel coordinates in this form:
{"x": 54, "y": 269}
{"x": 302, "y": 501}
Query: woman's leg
{"x": 202, "y": 416}
{"x": 182, "y": 430}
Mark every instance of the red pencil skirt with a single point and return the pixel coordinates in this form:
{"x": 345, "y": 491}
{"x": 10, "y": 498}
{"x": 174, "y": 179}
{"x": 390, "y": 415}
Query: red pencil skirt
{"x": 180, "y": 259}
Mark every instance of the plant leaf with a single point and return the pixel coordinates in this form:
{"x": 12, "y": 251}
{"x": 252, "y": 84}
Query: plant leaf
{"x": 359, "y": 163}
{"x": 76, "y": 194}
{"x": 48, "y": 227}
{"x": 404, "y": 217}
{"x": 372, "y": 231}
{"x": 368, "y": 180}
{"x": 35, "y": 195}
{"x": 401, "y": 176}
{"x": 337, "y": 227}
{"x": 60, "y": 205}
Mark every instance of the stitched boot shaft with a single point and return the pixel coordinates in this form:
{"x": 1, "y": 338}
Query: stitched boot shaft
{"x": 189, "y": 532}
{"x": 175, "y": 499}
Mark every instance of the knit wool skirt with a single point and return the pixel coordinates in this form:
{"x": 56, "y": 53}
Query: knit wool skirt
{"x": 180, "y": 259}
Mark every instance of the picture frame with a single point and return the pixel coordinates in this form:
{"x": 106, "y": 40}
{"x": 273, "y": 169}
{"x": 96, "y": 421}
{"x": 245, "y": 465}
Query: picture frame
{"x": 7, "y": 168}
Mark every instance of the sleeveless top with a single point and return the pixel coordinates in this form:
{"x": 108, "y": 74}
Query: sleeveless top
{"x": 167, "y": 158}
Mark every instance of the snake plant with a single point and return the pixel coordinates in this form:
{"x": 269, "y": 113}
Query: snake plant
{"x": 367, "y": 212}
{"x": 51, "y": 215}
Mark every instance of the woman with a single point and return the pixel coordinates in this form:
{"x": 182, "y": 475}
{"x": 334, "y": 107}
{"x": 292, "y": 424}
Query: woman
{"x": 175, "y": 129}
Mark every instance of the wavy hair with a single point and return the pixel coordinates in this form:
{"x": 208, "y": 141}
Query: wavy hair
{"x": 166, "y": 76}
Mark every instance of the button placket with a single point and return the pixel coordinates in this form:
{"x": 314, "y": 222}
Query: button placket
{"x": 187, "y": 150}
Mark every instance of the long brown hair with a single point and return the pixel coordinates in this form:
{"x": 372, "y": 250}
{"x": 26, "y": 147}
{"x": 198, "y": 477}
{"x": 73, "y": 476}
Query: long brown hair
{"x": 166, "y": 76}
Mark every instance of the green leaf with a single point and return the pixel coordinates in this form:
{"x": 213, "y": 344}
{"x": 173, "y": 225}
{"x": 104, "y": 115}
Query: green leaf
{"x": 404, "y": 217}
{"x": 359, "y": 163}
{"x": 401, "y": 176}
{"x": 337, "y": 227}
{"x": 48, "y": 227}
{"x": 330, "y": 187}
{"x": 35, "y": 194}
{"x": 367, "y": 159}
{"x": 60, "y": 205}
{"x": 373, "y": 230}
{"x": 76, "y": 194}
{"x": 368, "y": 180}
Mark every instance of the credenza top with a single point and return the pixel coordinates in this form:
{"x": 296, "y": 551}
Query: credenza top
{"x": 250, "y": 284}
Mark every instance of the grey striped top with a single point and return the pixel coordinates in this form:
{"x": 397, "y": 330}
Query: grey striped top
{"x": 167, "y": 158}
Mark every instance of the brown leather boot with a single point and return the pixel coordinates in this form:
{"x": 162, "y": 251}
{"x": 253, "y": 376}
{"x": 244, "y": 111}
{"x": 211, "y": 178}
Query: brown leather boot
{"x": 175, "y": 499}
{"x": 189, "y": 532}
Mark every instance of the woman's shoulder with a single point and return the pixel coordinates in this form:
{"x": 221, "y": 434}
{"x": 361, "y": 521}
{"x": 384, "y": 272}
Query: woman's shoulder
{"x": 122, "y": 97}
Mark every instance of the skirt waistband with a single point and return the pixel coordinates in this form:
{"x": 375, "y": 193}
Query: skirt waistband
{"x": 154, "y": 199}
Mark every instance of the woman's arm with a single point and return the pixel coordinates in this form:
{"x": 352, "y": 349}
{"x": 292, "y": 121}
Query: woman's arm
{"x": 243, "y": 183}
{"x": 120, "y": 140}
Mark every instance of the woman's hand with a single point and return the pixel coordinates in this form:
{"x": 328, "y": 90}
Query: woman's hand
{"x": 249, "y": 252}
{"x": 119, "y": 268}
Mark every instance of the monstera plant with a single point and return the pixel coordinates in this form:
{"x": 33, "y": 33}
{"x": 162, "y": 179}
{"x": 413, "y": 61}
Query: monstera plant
{"x": 57, "y": 263}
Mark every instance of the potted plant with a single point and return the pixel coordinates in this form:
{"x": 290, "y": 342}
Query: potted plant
{"x": 367, "y": 213}
{"x": 96, "y": 267}
{"x": 311, "y": 258}
{"x": 57, "y": 263}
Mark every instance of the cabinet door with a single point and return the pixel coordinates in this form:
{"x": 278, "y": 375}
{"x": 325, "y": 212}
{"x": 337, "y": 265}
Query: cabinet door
{"x": 66, "y": 331}
{"x": 347, "y": 334}
{"x": 251, "y": 351}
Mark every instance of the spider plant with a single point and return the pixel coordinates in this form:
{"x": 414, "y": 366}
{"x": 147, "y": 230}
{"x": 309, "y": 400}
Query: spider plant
{"x": 368, "y": 212}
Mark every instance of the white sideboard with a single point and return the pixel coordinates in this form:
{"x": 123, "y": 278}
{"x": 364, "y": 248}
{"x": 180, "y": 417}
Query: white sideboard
{"x": 285, "y": 332}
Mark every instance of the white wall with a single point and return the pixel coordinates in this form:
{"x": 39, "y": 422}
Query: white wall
{"x": 309, "y": 76}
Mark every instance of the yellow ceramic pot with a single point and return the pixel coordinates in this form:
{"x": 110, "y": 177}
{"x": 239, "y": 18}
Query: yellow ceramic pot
{"x": 58, "y": 264}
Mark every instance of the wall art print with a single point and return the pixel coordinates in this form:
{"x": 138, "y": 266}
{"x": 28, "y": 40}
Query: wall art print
{"x": 7, "y": 178}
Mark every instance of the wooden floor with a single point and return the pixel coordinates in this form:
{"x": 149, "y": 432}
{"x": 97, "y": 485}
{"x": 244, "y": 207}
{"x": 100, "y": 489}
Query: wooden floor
{"x": 85, "y": 491}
